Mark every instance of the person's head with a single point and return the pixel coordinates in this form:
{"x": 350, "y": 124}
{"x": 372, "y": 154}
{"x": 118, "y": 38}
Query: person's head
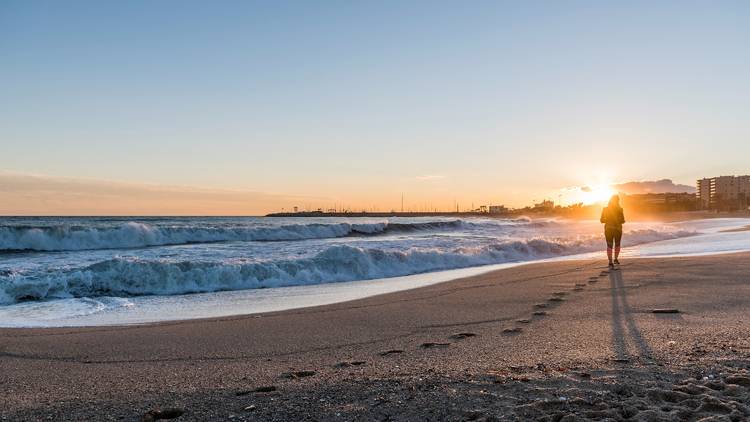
{"x": 614, "y": 201}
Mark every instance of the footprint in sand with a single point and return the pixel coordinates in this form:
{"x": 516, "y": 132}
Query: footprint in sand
{"x": 461, "y": 336}
{"x": 514, "y": 330}
{"x": 555, "y": 299}
{"x": 391, "y": 352}
{"x": 540, "y": 313}
{"x": 559, "y": 294}
{"x": 431, "y": 345}
{"x": 523, "y": 321}
{"x": 349, "y": 364}
{"x": 297, "y": 374}
{"x": 540, "y": 305}
{"x": 153, "y": 415}
{"x": 264, "y": 389}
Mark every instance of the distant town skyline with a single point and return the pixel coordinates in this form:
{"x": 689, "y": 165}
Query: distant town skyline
{"x": 238, "y": 107}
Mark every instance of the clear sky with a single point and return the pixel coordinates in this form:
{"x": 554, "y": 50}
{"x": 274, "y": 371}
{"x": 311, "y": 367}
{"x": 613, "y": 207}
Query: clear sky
{"x": 316, "y": 103}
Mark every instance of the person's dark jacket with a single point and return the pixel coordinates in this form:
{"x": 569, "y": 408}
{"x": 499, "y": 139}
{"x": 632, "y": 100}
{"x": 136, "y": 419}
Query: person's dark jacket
{"x": 613, "y": 217}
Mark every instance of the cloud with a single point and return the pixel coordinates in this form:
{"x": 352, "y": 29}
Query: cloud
{"x": 27, "y": 194}
{"x": 653, "y": 186}
{"x": 585, "y": 188}
{"x": 428, "y": 177}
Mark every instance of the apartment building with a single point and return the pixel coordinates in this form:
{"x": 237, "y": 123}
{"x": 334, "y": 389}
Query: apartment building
{"x": 724, "y": 193}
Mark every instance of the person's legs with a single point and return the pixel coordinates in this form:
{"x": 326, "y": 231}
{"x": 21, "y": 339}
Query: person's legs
{"x": 618, "y": 240}
{"x": 609, "y": 236}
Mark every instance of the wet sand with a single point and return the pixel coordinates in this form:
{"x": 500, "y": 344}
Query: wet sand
{"x": 555, "y": 341}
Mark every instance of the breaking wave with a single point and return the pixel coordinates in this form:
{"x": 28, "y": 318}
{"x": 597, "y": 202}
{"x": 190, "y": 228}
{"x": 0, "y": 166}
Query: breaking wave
{"x": 137, "y": 235}
{"x": 134, "y": 277}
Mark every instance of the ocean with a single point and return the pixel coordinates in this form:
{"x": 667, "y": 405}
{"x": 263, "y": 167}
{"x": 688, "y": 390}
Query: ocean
{"x": 91, "y": 271}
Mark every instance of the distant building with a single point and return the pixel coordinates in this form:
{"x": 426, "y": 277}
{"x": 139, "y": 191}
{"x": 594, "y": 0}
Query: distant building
{"x": 545, "y": 205}
{"x": 660, "y": 202}
{"x": 724, "y": 193}
{"x": 497, "y": 209}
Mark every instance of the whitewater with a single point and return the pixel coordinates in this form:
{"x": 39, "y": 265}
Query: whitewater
{"x": 95, "y": 271}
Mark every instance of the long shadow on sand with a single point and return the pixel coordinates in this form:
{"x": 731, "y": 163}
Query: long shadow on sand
{"x": 623, "y": 323}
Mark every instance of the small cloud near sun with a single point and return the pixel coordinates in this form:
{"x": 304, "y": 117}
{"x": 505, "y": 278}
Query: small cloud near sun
{"x": 427, "y": 177}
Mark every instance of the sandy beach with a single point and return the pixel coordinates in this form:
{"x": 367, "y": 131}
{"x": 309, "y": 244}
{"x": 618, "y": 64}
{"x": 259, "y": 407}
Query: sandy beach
{"x": 554, "y": 341}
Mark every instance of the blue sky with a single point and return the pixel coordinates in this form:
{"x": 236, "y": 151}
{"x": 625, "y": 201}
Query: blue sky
{"x": 356, "y": 102}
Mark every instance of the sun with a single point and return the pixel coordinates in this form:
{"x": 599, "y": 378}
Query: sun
{"x": 595, "y": 194}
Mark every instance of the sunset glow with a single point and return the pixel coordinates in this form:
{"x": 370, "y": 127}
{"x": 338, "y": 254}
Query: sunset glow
{"x": 597, "y": 194}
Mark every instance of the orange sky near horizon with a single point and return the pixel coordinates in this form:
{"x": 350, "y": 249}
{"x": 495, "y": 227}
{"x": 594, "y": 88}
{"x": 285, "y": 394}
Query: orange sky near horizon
{"x": 24, "y": 194}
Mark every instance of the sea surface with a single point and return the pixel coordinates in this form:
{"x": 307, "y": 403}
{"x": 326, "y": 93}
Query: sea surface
{"x": 96, "y": 271}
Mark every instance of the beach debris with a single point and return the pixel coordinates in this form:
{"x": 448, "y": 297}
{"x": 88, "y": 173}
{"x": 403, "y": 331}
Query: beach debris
{"x": 671, "y": 343}
{"x": 514, "y": 330}
{"x": 249, "y": 408}
{"x": 349, "y": 364}
{"x": 430, "y": 344}
{"x": 156, "y": 414}
{"x": 297, "y": 374}
{"x": 459, "y": 336}
{"x": 391, "y": 352}
{"x": 665, "y": 311}
{"x": 540, "y": 313}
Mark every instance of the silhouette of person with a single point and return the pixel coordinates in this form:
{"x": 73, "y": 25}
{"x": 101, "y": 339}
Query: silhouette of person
{"x": 613, "y": 219}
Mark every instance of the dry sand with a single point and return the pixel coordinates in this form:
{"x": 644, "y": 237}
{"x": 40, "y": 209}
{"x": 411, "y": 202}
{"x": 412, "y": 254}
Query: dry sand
{"x": 556, "y": 342}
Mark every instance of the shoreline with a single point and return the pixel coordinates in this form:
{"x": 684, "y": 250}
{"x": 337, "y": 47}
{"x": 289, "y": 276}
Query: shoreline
{"x": 470, "y": 348}
{"x": 385, "y": 286}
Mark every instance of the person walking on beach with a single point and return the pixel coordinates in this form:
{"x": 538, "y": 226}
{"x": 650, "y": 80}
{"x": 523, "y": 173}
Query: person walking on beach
{"x": 613, "y": 219}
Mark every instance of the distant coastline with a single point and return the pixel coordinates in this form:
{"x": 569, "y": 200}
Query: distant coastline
{"x": 391, "y": 214}
{"x": 587, "y": 212}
